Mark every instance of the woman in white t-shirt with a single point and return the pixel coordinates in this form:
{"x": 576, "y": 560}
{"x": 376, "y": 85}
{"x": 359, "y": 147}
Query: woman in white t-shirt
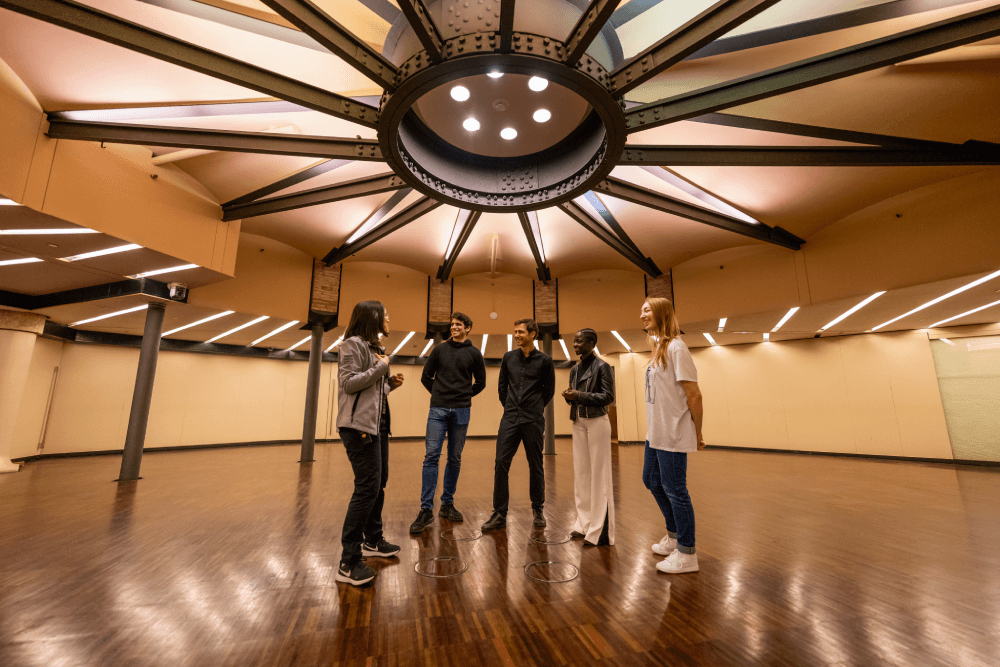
{"x": 673, "y": 428}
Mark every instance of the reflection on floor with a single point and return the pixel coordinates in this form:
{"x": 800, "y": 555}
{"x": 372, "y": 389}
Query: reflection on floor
{"x": 226, "y": 557}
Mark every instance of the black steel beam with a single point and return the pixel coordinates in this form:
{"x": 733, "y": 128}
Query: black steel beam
{"x": 685, "y": 40}
{"x": 360, "y": 187}
{"x": 288, "y": 181}
{"x": 534, "y": 236}
{"x": 611, "y": 221}
{"x": 947, "y": 34}
{"x": 415, "y": 210}
{"x": 339, "y": 40}
{"x": 106, "y": 27}
{"x": 146, "y": 286}
{"x": 654, "y": 200}
{"x": 970, "y": 153}
{"x": 506, "y": 26}
{"x": 463, "y": 236}
{"x": 217, "y": 140}
{"x": 578, "y": 213}
{"x": 419, "y": 18}
{"x": 588, "y": 28}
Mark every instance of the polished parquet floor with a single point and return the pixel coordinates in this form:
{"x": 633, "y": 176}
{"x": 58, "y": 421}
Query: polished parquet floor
{"x": 226, "y": 557}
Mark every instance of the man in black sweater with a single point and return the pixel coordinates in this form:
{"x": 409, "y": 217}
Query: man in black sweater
{"x": 527, "y": 384}
{"x": 448, "y": 375}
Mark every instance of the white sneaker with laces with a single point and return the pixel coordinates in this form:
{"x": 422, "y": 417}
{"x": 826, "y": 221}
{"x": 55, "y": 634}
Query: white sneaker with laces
{"x": 665, "y": 546}
{"x": 678, "y": 563}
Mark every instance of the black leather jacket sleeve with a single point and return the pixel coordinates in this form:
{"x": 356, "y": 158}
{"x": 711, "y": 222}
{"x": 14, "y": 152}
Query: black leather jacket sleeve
{"x": 605, "y": 394}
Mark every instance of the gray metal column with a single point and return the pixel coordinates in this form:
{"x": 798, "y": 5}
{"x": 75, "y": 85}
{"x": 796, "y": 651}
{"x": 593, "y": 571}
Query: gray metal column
{"x": 135, "y": 437}
{"x": 550, "y": 423}
{"x": 312, "y": 394}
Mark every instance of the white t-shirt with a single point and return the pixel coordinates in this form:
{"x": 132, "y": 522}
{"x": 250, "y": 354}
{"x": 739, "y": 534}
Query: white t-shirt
{"x": 669, "y": 425}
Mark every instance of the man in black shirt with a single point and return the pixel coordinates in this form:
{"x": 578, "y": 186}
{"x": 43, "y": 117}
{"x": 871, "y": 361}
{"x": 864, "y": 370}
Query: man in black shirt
{"x": 527, "y": 383}
{"x": 448, "y": 375}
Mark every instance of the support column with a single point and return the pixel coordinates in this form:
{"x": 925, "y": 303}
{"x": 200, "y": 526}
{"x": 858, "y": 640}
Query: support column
{"x": 312, "y": 394}
{"x": 142, "y": 396}
{"x": 18, "y": 332}
{"x": 550, "y": 415}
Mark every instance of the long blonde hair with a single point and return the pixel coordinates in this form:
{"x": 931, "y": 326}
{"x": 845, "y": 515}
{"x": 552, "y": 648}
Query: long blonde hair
{"x": 663, "y": 330}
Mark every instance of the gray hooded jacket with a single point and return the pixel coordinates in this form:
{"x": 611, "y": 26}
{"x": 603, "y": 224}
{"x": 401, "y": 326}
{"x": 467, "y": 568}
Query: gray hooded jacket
{"x": 362, "y": 382}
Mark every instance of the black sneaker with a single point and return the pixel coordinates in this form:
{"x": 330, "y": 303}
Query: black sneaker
{"x": 576, "y": 534}
{"x": 358, "y": 575}
{"x": 381, "y": 549}
{"x": 539, "y": 518}
{"x": 496, "y": 522}
{"x": 449, "y": 512}
{"x": 424, "y": 519}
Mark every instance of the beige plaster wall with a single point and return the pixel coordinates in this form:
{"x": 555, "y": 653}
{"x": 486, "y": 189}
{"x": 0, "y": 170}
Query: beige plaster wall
{"x": 45, "y": 357}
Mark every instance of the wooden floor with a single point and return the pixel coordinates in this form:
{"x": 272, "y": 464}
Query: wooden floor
{"x": 226, "y": 557}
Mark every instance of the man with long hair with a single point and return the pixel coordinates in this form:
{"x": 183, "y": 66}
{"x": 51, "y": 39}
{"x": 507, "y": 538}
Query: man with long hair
{"x": 526, "y": 385}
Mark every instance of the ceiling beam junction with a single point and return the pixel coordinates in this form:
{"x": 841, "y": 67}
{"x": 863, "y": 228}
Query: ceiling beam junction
{"x": 532, "y": 232}
{"x": 337, "y": 39}
{"x": 580, "y": 214}
{"x": 685, "y": 40}
{"x": 360, "y": 187}
{"x": 299, "y": 176}
{"x": 444, "y": 271}
{"x": 947, "y": 34}
{"x": 970, "y": 153}
{"x": 415, "y": 210}
{"x": 587, "y": 28}
{"x": 106, "y": 27}
{"x": 419, "y": 18}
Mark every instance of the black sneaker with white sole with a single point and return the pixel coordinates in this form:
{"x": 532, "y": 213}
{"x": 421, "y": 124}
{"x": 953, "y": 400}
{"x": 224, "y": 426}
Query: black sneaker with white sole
{"x": 358, "y": 574}
{"x": 381, "y": 549}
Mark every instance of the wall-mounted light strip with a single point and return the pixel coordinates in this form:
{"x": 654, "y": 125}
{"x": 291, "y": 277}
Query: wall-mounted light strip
{"x": 402, "y": 343}
{"x": 194, "y": 324}
{"x": 275, "y": 332}
{"x": 510, "y": 342}
{"x": 26, "y": 260}
{"x": 427, "y": 347}
{"x": 722, "y": 324}
{"x": 38, "y": 232}
{"x": 239, "y": 328}
{"x": 157, "y": 272}
{"x": 767, "y": 338}
{"x": 710, "y": 339}
{"x": 622, "y": 340}
{"x": 101, "y": 253}
{"x": 784, "y": 319}
{"x": 335, "y": 343}
{"x": 299, "y": 344}
{"x": 482, "y": 350}
{"x": 565, "y": 351}
{"x": 940, "y": 299}
{"x": 945, "y": 340}
{"x": 115, "y": 314}
{"x": 968, "y": 312}
{"x": 854, "y": 310}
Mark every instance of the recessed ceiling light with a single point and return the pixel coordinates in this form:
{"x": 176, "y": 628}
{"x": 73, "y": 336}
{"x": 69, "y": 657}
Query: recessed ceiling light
{"x": 537, "y": 83}
{"x": 495, "y": 75}
{"x": 784, "y": 319}
{"x": 482, "y": 350}
{"x": 26, "y": 260}
{"x": 194, "y": 324}
{"x": 968, "y": 312}
{"x": 459, "y": 93}
{"x": 508, "y": 133}
{"x": 158, "y": 272}
{"x": 275, "y": 332}
{"x": 427, "y": 347}
{"x": 402, "y": 343}
{"x": 299, "y": 344}
{"x": 60, "y": 230}
{"x": 620, "y": 340}
{"x": 710, "y": 339}
{"x": 950, "y": 294}
{"x": 115, "y": 314}
{"x": 854, "y": 309}
{"x": 336, "y": 343}
{"x": 565, "y": 351}
{"x": 239, "y": 328}
{"x": 722, "y": 324}
{"x": 7, "y": 202}
{"x": 542, "y": 115}
{"x": 471, "y": 124}
{"x": 101, "y": 253}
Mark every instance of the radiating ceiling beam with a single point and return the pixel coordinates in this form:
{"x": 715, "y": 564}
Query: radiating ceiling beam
{"x": 106, "y": 27}
{"x": 360, "y": 187}
{"x": 659, "y": 202}
{"x": 506, "y": 26}
{"x": 529, "y": 223}
{"x": 419, "y": 208}
{"x": 970, "y": 153}
{"x": 947, "y": 34}
{"x": 219, "y": 140}
{"x": 444, "y": 272}
{"x": 610, "y": 220}
{"x": 685, "y": 40}
{"x": 578, "y": 213}
{"x": 300, "y": 176}
{"x": 588, "y": 27}
{"x": 337, "y": 39}
{"x": 419, "y": 18}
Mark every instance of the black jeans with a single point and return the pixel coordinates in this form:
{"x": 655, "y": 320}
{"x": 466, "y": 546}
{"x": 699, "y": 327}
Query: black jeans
{"x": 369, "y": 457}
{"x": 509, "y": 437}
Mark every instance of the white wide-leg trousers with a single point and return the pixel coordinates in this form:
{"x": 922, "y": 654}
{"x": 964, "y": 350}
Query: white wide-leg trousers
{"x": 592, "y": 478}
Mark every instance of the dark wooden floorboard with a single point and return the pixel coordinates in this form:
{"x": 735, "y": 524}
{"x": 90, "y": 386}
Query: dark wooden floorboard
{"x": 226, "y": 558}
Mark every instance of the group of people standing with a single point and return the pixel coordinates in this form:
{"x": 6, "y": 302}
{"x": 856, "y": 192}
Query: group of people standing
{"x": 455, "y": 372}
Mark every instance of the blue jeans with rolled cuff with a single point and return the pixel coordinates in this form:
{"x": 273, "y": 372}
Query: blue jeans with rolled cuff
{"x": 453, "y": 422}
{"x": 665, "y": 475}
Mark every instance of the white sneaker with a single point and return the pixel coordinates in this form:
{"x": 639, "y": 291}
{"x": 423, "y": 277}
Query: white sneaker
{"x": 665, "y": 546}
{"x": 677, "y": 563}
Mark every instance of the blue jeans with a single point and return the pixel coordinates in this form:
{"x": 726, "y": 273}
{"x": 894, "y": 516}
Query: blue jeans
{"x": 665, "y": 475}
{"x": 453, "y": 422}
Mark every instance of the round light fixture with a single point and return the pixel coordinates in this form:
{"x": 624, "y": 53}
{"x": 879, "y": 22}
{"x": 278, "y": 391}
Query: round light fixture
{"x": 542, "y": 115}
{"x": 494, "y": 75}
{"x": 471, "y": 124}
{"x": 459, "y": 93}
{"x": 508, "y": 133}
{"x": 537, "y": 83}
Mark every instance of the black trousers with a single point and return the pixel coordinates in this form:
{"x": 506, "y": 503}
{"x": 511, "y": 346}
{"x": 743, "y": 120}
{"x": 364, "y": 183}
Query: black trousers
{"x": 369, "y": 457}
{"x": 509, "y": 437}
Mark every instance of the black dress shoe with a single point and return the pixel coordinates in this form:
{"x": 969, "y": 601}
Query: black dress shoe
{"x": 496, "y": 522}
{"x": 539, "y": 518}
{"x": 424, "y": 519}
{"x": 450, "y": 513}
